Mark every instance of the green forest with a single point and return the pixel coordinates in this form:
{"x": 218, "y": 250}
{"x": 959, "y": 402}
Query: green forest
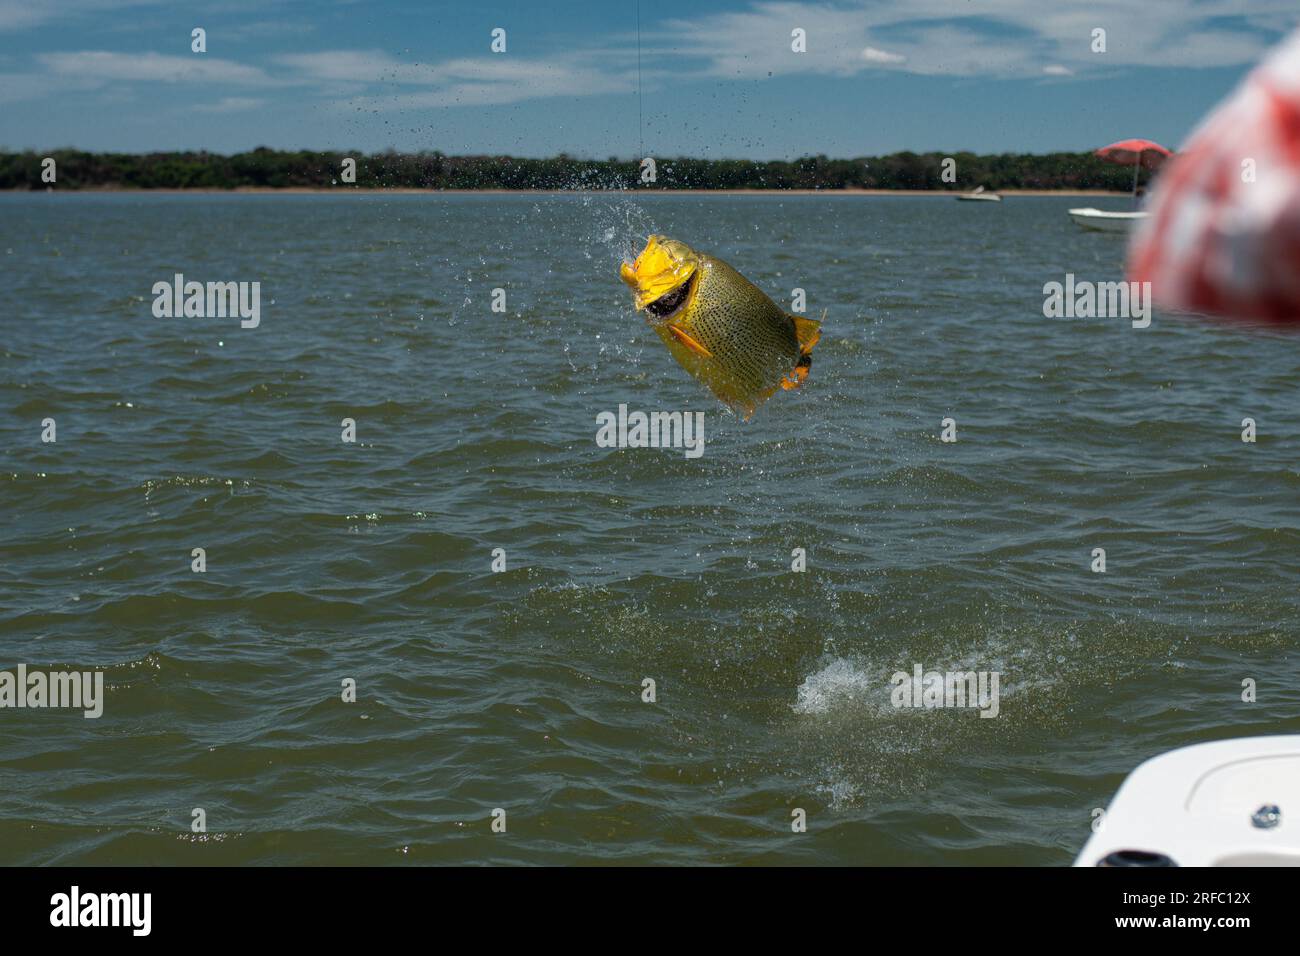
{"x": 268, "y": 168}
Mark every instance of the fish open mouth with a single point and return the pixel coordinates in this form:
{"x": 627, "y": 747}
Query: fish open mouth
{"x": 672, "y": 301}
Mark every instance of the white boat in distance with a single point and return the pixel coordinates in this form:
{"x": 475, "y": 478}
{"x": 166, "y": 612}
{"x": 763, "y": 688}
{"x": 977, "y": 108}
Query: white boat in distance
{"x": 1104, "y": 221}
{"x": 1223, "y": 803}
{"x": 979, "y": 195}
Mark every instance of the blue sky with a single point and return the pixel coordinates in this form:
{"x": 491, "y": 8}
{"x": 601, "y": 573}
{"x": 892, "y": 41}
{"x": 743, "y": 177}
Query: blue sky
{"x": 717, "y": 79}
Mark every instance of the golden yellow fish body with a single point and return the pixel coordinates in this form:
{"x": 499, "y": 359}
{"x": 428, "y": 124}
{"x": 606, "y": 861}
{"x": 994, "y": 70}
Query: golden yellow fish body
{"x": 719, "y": 326}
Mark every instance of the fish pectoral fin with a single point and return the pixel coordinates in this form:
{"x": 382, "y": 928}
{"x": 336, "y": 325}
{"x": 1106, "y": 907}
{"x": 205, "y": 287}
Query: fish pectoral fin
{"x": 689, "y": 342}
{"x": 807, "y": 331}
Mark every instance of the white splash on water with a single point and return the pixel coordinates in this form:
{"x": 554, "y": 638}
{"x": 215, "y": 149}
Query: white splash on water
{"x": 839, "y": 683}
{"x": 619, "y": 228}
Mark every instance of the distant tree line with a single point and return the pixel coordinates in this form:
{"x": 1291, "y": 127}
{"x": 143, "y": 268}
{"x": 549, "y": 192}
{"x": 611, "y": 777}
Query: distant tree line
{"x": 264, "y": 167}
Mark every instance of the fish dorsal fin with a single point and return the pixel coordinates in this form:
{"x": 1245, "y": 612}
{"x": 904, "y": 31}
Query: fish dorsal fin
{"x": 807, "y": 331}
{"x": 689, "y": 342}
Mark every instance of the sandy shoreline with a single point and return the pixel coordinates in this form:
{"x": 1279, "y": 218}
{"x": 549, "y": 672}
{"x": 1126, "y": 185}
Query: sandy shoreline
{"x": 406, "y": 191}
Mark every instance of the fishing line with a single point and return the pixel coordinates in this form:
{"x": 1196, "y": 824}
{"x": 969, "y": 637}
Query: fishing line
{"x": 641, "y": 129}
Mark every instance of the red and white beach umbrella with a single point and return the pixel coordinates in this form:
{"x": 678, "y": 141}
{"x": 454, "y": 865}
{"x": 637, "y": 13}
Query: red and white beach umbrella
{"x": 1223, "y": 235}
{"x": 1138, "y": 153}
{"x": 1135, "y": 152}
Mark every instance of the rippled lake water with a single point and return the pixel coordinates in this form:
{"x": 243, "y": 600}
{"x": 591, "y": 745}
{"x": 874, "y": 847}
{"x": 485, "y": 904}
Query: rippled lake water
{"x": 522, "y": 690}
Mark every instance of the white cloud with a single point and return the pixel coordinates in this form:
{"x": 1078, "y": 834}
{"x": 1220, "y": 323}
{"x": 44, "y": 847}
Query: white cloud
{"x": 845, "y": 38}
{"x": 367, "y": 79}
{"x": 355, "y": 66}
{"x": 464, "y": 86}
{"x": 467, "y": 81}
{"x": 872, "y": 55}
{"x": 105, "y": 66}
{"x": 996, "y": 38}
{"x": 16, "y": 87}
{"x": 25, "y": 14}
{"x": 231, "y": 104}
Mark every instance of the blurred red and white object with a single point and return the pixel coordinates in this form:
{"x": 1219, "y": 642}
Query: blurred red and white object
{"x": 1223, "y": 235}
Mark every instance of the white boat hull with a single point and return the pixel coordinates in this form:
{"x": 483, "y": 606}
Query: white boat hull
{"x": 1105, "y": 221}
{"x": 1206, "y": 805}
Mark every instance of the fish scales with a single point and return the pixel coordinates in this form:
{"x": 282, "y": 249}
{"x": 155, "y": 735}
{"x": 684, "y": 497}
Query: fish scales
{"x": 749, "y": 333}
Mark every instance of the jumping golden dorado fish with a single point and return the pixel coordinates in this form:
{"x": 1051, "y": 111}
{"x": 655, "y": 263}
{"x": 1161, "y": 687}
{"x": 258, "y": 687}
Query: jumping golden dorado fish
{"x": 719, "y": 325}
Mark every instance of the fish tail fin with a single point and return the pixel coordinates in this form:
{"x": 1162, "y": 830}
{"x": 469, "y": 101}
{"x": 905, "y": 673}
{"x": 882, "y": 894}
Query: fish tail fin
{"x": 808, "y": 332}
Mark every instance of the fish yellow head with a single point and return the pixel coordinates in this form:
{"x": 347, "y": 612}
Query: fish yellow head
{"x": 660, "y": 276}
